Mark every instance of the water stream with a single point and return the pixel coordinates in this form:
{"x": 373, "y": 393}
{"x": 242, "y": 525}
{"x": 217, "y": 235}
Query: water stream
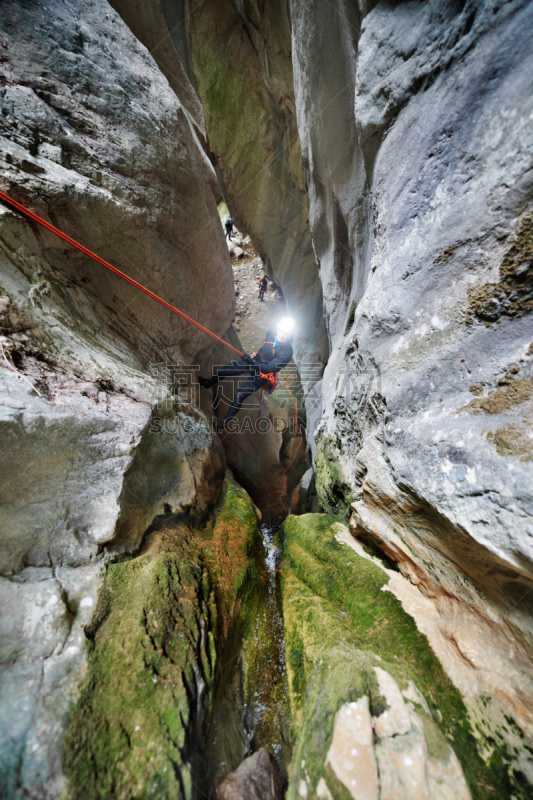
{"x": 251, "y": 707}
{"x": 269, "y": 717}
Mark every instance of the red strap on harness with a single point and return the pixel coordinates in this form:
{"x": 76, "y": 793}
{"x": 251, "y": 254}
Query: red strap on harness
{"x": 273, "y": 381}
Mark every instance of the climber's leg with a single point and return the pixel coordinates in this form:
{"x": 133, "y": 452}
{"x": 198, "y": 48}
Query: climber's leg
{"x": 248, "y": 387}
{"x": 232, "y": 370}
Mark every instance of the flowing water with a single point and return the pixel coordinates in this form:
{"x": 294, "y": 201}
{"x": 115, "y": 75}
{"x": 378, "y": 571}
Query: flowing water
{"x": 251, "y": 708}
{"x": 269, "y": 712}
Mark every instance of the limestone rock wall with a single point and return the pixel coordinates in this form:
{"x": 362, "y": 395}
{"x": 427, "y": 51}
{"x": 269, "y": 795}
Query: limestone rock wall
{"x": 426, "y": 399}
{"x": 94, "y": 446}
{"x": 414, "y": 126}
{"x": 374, "y": 713}
{"x": 158, "y": 639}
{"x": 240, "y": 55}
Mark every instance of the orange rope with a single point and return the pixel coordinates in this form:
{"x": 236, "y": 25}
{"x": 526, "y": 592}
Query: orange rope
{"x": 74, "y": 243}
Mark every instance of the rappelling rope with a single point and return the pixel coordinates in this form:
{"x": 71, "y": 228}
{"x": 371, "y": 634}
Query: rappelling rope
{"x": 36, "y": 218}
{"x": 74, "y": 243}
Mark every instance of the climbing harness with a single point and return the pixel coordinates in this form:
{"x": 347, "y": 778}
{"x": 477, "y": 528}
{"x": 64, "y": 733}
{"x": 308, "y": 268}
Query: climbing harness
{"x": 273, "y": 381}
{"x": 74, "y": 243}
{"x": 271, "y": 377}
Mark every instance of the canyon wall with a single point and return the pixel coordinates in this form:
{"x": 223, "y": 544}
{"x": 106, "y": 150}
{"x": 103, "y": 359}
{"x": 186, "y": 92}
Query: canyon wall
{"x": 94, "y": 442}
{"x": 427, "y": 395}
{"x": 240, "y": 55}
{"x": 415, "y": 133}
{"x": 379, "y": 156}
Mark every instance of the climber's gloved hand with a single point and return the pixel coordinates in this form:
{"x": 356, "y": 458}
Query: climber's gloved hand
{"x": 247, "y": 359}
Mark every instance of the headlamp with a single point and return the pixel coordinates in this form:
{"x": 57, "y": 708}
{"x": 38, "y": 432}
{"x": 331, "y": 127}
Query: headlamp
{"x": 287, "y": 325}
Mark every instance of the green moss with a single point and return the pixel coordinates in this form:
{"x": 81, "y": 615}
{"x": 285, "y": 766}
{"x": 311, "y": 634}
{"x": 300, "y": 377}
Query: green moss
{"x": 334, "y": 493}
{"x": 129, "y": 726}
{"x": 445, "y": 255}
{"x": 513, "y": 392}
{"x": 512, "y": 295}
{"x": 252, "y": 684}
{"x": 296, "y": 657}
{"x": 161, "y": 621}
{"x": 438, "y": 746}
{"x": 512, "y": 440}
{"x": 334, "y": 600}
{"x": 236, "y": 107}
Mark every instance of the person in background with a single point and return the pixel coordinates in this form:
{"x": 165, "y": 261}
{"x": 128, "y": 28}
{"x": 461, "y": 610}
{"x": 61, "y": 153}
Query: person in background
{"x": 263, "y": 288}
{"x": 229, "y": 228}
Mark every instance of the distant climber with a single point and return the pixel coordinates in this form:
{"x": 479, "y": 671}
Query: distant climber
{"x": 262, "y": 368}
{"x": 263, "y": 288}
{"x": 229, "y": 228}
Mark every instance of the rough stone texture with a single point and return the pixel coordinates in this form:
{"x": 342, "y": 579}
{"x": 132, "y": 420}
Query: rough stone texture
{"x": 64, "y": 458}
{"x": 268, "y": 439}
{"x": 177, "y": 467}
{"x": 44, "y": 612}
{"x": 125, "y": 175}
{"x": 95, "y": 140}
{"x": 163, "y": 618}
{"x": 240, "y": 55}
{"x": 419, "y": 180}
{"x": 374, "y": 713}
{"x": 161, "y": 32}
{"x": 257, "y": 778}
{"x": 254, "y": 144}
{"x": 415, "y": 131}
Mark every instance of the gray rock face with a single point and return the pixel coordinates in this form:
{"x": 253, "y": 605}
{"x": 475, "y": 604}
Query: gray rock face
{"x": 257, "y": 778}
{"x": 240, "y": 54}
{"x": 44, "y": 612}
{"x": 95, "y": 140}
{"x": 415, "y": 126}
{"x": 64, "y": 462}
{"x": 410, "y": 220}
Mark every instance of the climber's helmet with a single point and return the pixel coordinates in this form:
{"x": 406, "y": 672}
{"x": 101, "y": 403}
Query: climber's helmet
{"x": 286, "y": 328}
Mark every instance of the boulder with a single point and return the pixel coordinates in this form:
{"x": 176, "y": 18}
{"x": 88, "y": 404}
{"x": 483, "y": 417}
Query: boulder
{"x": 257, "y": 778}
{"x": 162, "y": 620}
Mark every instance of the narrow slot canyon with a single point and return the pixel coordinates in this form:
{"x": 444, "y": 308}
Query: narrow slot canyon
{"x": 308, "y": 576}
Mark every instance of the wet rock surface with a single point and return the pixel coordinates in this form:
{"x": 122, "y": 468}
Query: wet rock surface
{"x": 80, "y": 100}
{"x": 266, "y": 439}
{"x": 257, "y": 778}
{"x": 240, "y": 56}
{"x": 159, "y": 629}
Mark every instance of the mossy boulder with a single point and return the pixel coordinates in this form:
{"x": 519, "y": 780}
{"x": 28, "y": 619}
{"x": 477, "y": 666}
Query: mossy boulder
{"x": 334, "y": 493}
{"x": 140, "y": 725}
{"x": 347, "y": 639}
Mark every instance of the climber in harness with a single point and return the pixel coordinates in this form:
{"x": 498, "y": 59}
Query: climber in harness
{"x": 262, "y": 368}
{"x": 263, "y": 288}
{"x": 229, "y": 228}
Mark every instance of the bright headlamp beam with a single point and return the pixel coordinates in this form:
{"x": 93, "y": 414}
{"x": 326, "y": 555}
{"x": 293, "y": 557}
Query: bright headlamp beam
{"x": 287, "y": 325}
